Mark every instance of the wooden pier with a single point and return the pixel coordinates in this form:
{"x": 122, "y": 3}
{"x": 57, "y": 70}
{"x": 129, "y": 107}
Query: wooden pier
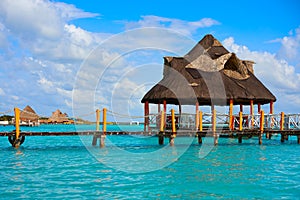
{"x": 205, "y": 125}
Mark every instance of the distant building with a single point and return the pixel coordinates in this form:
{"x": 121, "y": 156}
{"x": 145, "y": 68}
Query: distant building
{"x": 59, "y": 118}
{"x": 28, "y": 117}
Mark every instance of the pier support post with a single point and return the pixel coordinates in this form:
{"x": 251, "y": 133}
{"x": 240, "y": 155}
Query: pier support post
{"x": 160, "y": 139}
{"x": 161, "y": 129}
{"x": 240, "y": 138}
{"x": 146, "y": 117}
{"x": 197, "y": 116}
{"x": 103, "y": 136}
{"x": 102, "y": 140}
{"x": 214, "y": 126}
{"x": 200, "y": 127}
{"x": 282, "y": 137}
{"x": 262, "y": 124}
{"x": 173, "y": 134}
{"x": 15, "y": 140}
{"x": 199, "y": 138}
{"x": 95, "y": 137}
{"x": 298, "y": 138}
{"x": 230, "y": 114}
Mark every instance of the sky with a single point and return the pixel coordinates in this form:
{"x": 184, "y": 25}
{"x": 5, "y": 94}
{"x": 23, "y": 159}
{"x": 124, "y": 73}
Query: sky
{"x": 77, "y": 56}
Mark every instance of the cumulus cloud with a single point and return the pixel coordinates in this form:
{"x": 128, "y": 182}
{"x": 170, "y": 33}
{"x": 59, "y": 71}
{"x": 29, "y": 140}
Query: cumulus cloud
{"x": 290, "y": 49}
{"x": 185, "y": 27}
{"x": 277, "y": 74}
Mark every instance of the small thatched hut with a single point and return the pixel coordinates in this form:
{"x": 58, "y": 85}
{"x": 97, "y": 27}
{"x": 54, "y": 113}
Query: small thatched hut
{"x": 208, "y": 75}
{"x": 28, "y": 116}
{"x": 58, "y": 117}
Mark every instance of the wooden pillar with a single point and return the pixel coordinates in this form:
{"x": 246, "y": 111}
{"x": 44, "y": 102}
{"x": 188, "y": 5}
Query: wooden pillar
{"x": 281, "y": 121}
{"x": 161, "y": 130}
{"x": 282, "y": 126}
{"x": 214, "y": 125}
{"x": 240, "y": 138}
{"x": 94, "y": 143}
{"x": 103, "y": 136}
{"x": 298, "y": 139}
{"x": 197, "y": 116}
{"x": 146, "y": 116}
{"x": 200, "y": 127}
{"x": 262, "y": 123}
{"x": 16, "y": 142}
{"x": 97, "y": 119}
{"x": 258, "y": 107}
{"x": 251, "y": 124}
{"x": 165, "y": 106}
{"x": 231, "y": 114}
{"x": 173, "y": 134}
{"x": 241, "y": 107}
{"x": 241, "y": 121}
{"x": 271, "y": 107}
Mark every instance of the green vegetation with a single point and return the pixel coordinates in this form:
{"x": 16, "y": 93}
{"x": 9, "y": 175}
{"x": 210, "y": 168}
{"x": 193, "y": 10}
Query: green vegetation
{"x": 6, "y": 118}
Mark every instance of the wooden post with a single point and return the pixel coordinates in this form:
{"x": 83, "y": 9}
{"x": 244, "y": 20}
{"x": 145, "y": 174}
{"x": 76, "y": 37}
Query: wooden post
{"x": 165, "y": 110}
{"x": 241, "y": 107}
{"x": 173, "y": 134}
{"x": 158, "y": 107}
{"x": 94, "y": 143}
{"x": 200, "y": 121}
{"x": 197, "y": 116}
{"x": 97, "y": 119}
{"x": 271, "y": 107}
{"x": 16, "y": 142}
{"x": 282, "y": 126}
{"x": 262, "y": 123}
{"x": 214, "y": 126}
{"x": 281, "y": 121}
{"x": 103, "y": 136}
{"x": 258, "y": 108}
{"x": 298, "y": 139}
{"x": 200, "y": 127}
{"x": 161, "y": 129}
{"x": 241, "y": 121}
{"x": 162, "y": 121}
{"x": 251, "y": 114}
{"x": 230, "y": 114}
{"x": 240, "y": 138}
{"x": 146, "y": 117}
{"x": 17, "y": 122}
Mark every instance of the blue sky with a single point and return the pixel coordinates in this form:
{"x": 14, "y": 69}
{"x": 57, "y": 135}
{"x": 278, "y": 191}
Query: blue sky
{"x": 50, "y": 48}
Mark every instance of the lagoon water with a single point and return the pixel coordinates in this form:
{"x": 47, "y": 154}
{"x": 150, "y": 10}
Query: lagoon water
{"x": 68, "y": 167}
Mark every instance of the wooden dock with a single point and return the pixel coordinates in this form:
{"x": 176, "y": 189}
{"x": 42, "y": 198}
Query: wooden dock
{"x": 204, "y": 125}
{"x": 167, "y": 134}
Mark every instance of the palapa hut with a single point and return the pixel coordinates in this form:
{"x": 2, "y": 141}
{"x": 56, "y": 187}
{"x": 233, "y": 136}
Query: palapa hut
{"x": 29, "y": 117}
{"x": 58, "y": 117}
{"x": 208, "y": 75}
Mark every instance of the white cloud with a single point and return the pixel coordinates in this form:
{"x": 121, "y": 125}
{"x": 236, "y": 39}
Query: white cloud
{"x": 2, "y": 93}
{"x": 32, "y": 19}
{"x": 277, "y": 74}
{"x": 185, "y": 27}
{"x": 290, "y": 47}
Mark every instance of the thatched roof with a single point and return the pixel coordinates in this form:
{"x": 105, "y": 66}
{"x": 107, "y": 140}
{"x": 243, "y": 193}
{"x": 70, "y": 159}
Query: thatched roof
{"x": 58, "y": 117}
{"x": 28, "y": 114}
{"x": 209, "y": 74}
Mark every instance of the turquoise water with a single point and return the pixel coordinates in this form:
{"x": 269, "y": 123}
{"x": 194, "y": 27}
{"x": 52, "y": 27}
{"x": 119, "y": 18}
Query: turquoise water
{"x": 64, "y": 168}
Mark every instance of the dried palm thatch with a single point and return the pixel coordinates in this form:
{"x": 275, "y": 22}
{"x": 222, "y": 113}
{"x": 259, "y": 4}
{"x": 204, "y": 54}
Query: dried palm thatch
{"x": 28, "y": 114}
{"x": 58, "y": 117}
{"x": 208, "y": 72}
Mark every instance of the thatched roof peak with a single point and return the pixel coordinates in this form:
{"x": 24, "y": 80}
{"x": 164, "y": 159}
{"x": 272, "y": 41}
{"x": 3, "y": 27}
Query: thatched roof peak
{"x": 208, "y": 71}
{"x": 58, "y": 117}
{"x": 28, "y": 114}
